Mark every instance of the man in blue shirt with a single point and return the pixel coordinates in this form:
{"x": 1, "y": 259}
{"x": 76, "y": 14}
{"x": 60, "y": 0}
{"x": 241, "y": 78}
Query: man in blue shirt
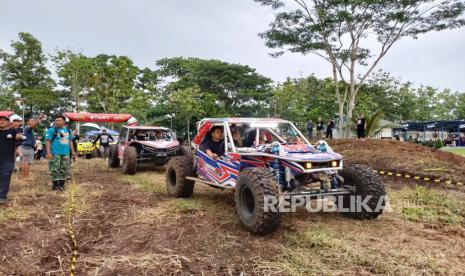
{"x": 59, "y": 144}
{"x": 28, "y": 147}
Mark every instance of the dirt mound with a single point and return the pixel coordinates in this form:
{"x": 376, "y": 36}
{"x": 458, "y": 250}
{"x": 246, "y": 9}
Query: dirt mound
{"x": 390, "y": 155}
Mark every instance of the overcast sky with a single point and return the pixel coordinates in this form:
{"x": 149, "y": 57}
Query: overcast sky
{"x": 147, "y": 30}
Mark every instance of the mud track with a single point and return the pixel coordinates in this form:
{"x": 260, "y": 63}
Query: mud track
{"x": 129, "y": 226}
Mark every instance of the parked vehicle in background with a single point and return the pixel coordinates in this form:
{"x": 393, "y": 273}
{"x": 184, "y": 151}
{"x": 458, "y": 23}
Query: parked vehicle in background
{"x": 139, "y": 145}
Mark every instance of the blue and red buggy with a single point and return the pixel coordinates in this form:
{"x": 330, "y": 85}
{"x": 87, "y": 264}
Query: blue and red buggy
{"x": 270, "y": 164}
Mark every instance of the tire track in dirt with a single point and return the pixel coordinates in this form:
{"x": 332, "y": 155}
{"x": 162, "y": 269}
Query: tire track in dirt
{"x": 33, "y": 228}
{"x": 128, "y": 231}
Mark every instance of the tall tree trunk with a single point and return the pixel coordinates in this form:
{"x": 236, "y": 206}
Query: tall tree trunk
{"x": 188, "y": 130}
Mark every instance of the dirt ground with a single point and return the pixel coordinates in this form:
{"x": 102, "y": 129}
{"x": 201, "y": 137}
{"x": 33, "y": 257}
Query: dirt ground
{"x": 402, "y": 157}
{"x": 127, "y": 225}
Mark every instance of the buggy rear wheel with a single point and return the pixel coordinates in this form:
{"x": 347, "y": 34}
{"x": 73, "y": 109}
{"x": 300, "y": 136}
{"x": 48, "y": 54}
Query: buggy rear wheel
{"x": 113, "y": 160}
{"x": 178, "y": 168}
{"x": 257, "y": 200}
{"x": 368, "y": 189}
{"x": 130, "y": 160}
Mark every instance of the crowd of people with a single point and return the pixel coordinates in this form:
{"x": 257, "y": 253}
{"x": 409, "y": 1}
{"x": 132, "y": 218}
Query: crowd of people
{"x": 19, "y": 140}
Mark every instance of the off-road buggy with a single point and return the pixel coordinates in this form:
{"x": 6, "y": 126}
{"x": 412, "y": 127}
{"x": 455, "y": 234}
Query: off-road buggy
{"x": 143, "y": 145}
{"x": 269, "y": 164}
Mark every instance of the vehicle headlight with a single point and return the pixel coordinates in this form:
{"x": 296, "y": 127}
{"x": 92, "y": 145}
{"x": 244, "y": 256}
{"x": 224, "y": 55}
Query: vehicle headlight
{"x": 334, "y": 163}
{"x": 308, "y": 166}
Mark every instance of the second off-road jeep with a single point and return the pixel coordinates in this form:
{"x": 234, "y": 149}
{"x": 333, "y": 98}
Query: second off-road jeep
{"x": 270, "y": 164}
{"x": 143, "y": 145}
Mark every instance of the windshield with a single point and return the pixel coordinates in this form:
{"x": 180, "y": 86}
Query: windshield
{"x": 151, "y": 135}
{"x": 254, "y": 134}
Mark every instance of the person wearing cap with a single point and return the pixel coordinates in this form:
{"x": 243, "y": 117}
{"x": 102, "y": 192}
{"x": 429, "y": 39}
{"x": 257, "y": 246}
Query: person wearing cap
{"x": 28, "y": 147}
{"x": 16, "y": 122}
{"x": 58, "y": 147}
{"x": 8, "y": 143}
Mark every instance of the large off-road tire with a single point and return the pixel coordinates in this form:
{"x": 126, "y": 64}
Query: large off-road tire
{"x": 185, "y": 151}
{"x": 129, "y": 160}
{"x": 253, "y": 185}
{"x": 366, "y": 183}
{"x": 113, "y": 160}
{"x": 177, "y": 169}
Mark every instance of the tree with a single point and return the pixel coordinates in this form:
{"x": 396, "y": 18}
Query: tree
{"x": 336, "y": 31}
{"x": 375, "y": 123}
{"x": 6, "y": 98}
{"x": 25, "y": 72}
{"x": 460, "y": 112}
{"x": 112, "y": 83}
{"x": 186, "y": 105}
{"x": 75, "y": 71}
{"x": 446, "y": 105}
{"x": 301, "y": 100}
{"x": 239, "y": 89}
{"x": 424, "y": 108}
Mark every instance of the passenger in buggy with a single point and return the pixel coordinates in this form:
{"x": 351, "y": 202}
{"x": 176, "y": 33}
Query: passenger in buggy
{"x": 213, "y": 145}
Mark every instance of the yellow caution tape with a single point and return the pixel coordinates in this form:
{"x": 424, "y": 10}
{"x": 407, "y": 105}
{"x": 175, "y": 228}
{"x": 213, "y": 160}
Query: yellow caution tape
{"x": 416, "y": 177}
{"x": 71, "y": 229}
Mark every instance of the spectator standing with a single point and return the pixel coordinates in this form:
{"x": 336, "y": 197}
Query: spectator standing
{"x": 58, "y": 147}
{"x": 16, "y": 123}
{"x": 310, "y": 129}
{"x": 361, "y": 126}
{"x": 39, "y": 148}
{"x": 329, "y": 129}
{"x": 28, "y": 147}
{"x": 320, "y": 128}
{"x": 104, "y": 139}
{"x": 8, "y": 143}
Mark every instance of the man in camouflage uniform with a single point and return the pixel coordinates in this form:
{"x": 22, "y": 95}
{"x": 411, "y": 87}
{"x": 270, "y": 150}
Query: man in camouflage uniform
{"x": 59, "y": 144}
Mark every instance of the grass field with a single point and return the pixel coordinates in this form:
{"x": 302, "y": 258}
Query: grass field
{"x": 459, "y": 151}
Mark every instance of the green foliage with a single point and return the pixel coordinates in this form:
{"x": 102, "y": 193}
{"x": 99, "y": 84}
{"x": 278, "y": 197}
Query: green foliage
{"x": 301, "y": 100}
{"x": 75, "y": 71}
{"x": 238, "y": 89}
{"x": 6, "y": 98}
{"x": 110, "y": 84}
{"x": 24, "y": 71}
{"x": 186, "y": 104}
{"x": 375, "y": 123}
{"x": 439, "y": 144}
{"x": 337, "y": 30}
{"x": 192, "y": 88}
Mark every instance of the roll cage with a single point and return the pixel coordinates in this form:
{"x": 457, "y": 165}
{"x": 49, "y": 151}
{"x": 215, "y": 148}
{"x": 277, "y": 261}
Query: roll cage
{"x": 251, "y": 127}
